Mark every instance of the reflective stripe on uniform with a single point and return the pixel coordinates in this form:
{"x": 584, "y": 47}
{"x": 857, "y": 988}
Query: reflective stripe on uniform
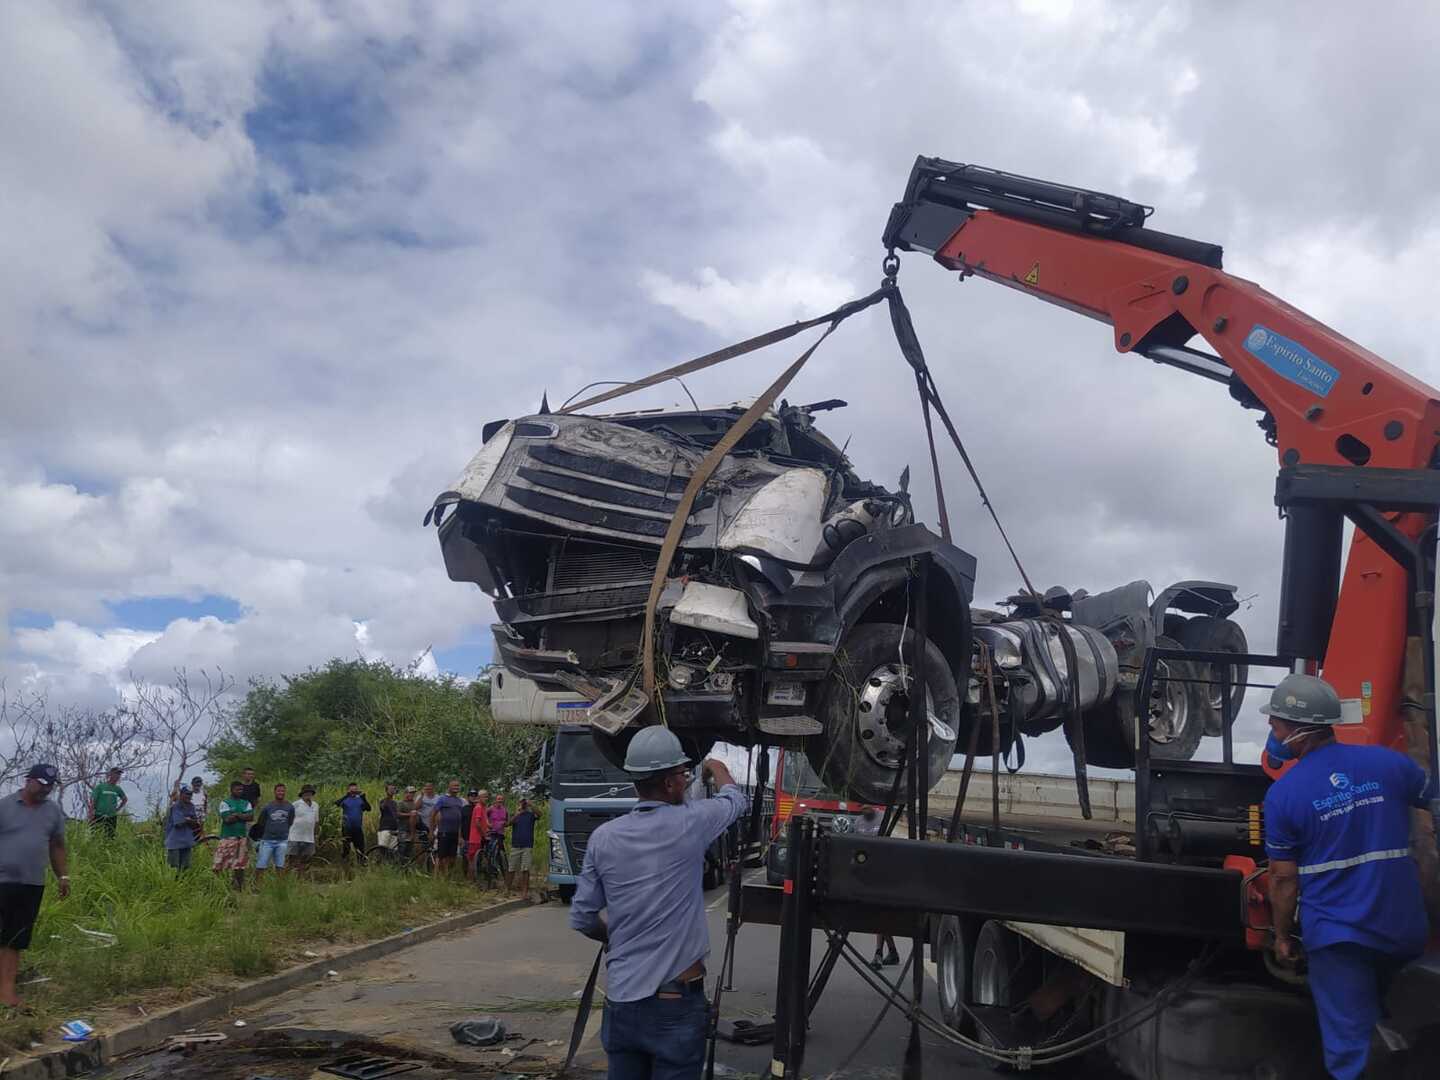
{"x": 1368, "y": 857}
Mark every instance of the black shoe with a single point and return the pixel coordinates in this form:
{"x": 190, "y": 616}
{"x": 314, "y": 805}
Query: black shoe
{"x": 878, "y": 962}
{"x": 893, "y": 960}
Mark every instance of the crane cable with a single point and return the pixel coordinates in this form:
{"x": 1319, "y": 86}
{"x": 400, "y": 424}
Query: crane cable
{"x": 909, "y": 343}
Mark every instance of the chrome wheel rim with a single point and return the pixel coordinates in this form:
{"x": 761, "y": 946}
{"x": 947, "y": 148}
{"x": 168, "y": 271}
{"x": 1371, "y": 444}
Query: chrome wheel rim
{"x": 882, "y": 714}
{"x": 1169, "y": 706}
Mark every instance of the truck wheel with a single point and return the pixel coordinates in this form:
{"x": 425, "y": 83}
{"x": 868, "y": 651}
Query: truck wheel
{"x": 1176, "y": 723}
{"x": 565, "y": 892}
{"x": 862, "y": 704}
{"x": 1176, "y": 726}
{"x": 1204, "y": 633}
{"x": 1005, "y": 973}
{"x": 954, "y": 947}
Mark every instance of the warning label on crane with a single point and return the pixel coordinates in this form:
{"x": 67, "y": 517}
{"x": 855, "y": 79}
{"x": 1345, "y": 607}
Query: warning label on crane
{"x": 1033, "y": 277}
{"x": 1291, "y": 360}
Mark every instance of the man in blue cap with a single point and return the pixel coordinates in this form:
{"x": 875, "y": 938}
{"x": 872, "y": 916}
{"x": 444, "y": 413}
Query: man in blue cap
{"x": 1337, "y": 830}
{"x": 644, "y": 871}
{"x": 32, "y": 833}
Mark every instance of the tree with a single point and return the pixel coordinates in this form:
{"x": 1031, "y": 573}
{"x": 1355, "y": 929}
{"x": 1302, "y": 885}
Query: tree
{"x": 82, "y": 743}
{"x": 354, "y": 718}
{"x": 22, "y": 730}
{"x": 182, "y": 718}
{"x": 170, "y": 724}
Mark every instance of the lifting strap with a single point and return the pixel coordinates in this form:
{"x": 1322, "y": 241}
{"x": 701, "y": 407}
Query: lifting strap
{"x": 929, "y": 398}
{"x": 717, "y": 453}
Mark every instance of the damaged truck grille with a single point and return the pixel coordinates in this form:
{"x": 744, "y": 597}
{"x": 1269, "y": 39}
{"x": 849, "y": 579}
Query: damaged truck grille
{"x": 597, "y": 491}
{"x": 592, "y": 577}
{"x": 579, "y": 565}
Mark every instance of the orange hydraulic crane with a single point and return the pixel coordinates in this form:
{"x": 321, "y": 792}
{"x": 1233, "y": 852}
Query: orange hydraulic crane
{"x": 1329, "y": 406}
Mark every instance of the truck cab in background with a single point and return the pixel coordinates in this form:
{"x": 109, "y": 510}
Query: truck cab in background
{"x": 585, "y": 791}
{"x": 799, "y": 790}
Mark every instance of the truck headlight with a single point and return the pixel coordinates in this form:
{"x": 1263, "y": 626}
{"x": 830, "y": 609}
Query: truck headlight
{"x": 477, "y": 474}
{"x": 558, "y": 864}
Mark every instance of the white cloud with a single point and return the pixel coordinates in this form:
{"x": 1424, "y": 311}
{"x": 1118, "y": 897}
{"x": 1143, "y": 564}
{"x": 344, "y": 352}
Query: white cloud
{"x": 265, "y": 270}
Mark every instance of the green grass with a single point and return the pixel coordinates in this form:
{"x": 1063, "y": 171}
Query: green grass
{"x": 181, "y": 936}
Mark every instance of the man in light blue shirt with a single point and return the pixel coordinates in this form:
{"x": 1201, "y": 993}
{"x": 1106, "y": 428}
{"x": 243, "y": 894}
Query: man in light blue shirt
{"x": 644, "y": 871}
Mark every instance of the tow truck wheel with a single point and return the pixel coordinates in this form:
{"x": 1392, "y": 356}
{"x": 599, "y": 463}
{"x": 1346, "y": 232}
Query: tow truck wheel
{"x": 863, "y": 704}
{"x": 954, "y": 947}
{"x": 1007, "y": 970}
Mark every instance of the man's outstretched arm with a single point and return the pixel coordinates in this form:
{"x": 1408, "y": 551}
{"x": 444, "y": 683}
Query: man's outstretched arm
{"x": 719, "y": 813}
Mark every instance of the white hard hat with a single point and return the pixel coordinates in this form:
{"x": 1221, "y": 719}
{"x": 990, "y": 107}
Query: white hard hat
{"x": 654, "y": 749}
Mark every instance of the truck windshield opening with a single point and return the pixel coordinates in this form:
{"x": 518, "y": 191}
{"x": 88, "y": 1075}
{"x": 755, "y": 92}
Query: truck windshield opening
{"x": 581, "y": 771}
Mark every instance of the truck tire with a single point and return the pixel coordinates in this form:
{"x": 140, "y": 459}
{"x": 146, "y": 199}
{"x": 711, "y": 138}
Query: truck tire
{"x": 1181, "y": 727}
{"x": 1006, "y": 971}
{"x": 1204, "y": 633}
{"x": 1110, "y": 729}
{"x": 862, "y": 707}
{"x": 565, "y": 892}
{"x": 954, "y": 952}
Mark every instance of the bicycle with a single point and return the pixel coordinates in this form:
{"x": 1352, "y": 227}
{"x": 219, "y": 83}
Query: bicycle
{"x": 416, "y": 854}
{"x": 490, "y": 862}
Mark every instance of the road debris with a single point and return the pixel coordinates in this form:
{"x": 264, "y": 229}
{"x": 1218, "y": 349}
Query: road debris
{"x": 76, "y": 1031}
{"x": 481, "y": 1031}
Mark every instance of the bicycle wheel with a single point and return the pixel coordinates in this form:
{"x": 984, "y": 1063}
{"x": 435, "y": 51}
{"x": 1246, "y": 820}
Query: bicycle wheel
{"x": 382, "y": 856}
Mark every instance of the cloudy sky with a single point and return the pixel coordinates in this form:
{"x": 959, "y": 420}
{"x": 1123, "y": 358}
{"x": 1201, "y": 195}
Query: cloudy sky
{"x": 266, "y": 270}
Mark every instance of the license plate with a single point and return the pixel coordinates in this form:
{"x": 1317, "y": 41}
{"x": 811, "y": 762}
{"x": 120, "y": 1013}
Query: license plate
{"x": 785, "y": 693}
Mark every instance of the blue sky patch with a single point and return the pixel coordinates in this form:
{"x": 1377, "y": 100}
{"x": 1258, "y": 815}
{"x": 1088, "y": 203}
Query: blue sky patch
{"x": 26, "y": 619}
{"x": 158, "y": 612}
{"x": 465, "y": 659}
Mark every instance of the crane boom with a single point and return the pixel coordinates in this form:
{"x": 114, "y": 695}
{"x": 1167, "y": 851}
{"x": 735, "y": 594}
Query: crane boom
{"x": 1325, "y": 399}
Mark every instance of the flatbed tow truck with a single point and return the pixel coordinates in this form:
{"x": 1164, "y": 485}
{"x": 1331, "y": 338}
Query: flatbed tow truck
{"x": 651, "y": 569}
{"x": 1151, "y": 949}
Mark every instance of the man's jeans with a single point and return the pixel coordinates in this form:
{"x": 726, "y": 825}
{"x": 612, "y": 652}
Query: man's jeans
{"x": 271, "y": 853}
{"x": 656, "y": 1038}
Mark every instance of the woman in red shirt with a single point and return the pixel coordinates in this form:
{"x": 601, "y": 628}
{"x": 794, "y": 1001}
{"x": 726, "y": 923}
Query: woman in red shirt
{"x": 479, "y": 827}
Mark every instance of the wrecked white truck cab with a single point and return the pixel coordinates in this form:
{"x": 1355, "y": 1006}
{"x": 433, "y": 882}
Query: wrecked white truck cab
{"x": 784, "y": 612}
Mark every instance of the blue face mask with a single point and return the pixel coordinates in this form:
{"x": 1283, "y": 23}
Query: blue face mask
{"x": 1277, "y": 752}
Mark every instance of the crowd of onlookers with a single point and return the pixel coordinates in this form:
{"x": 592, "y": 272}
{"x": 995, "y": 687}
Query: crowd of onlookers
{"x": 412, "y": 828}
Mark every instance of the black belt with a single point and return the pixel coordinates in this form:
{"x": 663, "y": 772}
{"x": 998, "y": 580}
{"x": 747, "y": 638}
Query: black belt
{"x": 689, "y": 986}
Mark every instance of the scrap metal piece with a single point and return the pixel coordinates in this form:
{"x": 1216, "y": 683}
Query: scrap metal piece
{"x": 613, "y": 712}
{"x": 791, "y": 725}
{"x": 368, "y": 1067}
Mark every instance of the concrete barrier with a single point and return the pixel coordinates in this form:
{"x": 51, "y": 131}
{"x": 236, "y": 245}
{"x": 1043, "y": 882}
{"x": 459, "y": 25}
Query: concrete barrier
{"x": 84, "y": 1057}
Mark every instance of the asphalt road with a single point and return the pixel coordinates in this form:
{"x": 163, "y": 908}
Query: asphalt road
{"x": 531, "y": 965}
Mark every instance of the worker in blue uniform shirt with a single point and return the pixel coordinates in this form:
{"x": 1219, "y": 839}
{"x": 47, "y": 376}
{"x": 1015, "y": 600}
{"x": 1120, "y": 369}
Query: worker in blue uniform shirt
{"x": 1337, "y": 831}
{"x": 644, "y": 871}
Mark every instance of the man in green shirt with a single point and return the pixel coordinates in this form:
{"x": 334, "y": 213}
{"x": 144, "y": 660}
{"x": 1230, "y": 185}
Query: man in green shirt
{"x": 232, "y": 850}
{"x": 106, "y": 802}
